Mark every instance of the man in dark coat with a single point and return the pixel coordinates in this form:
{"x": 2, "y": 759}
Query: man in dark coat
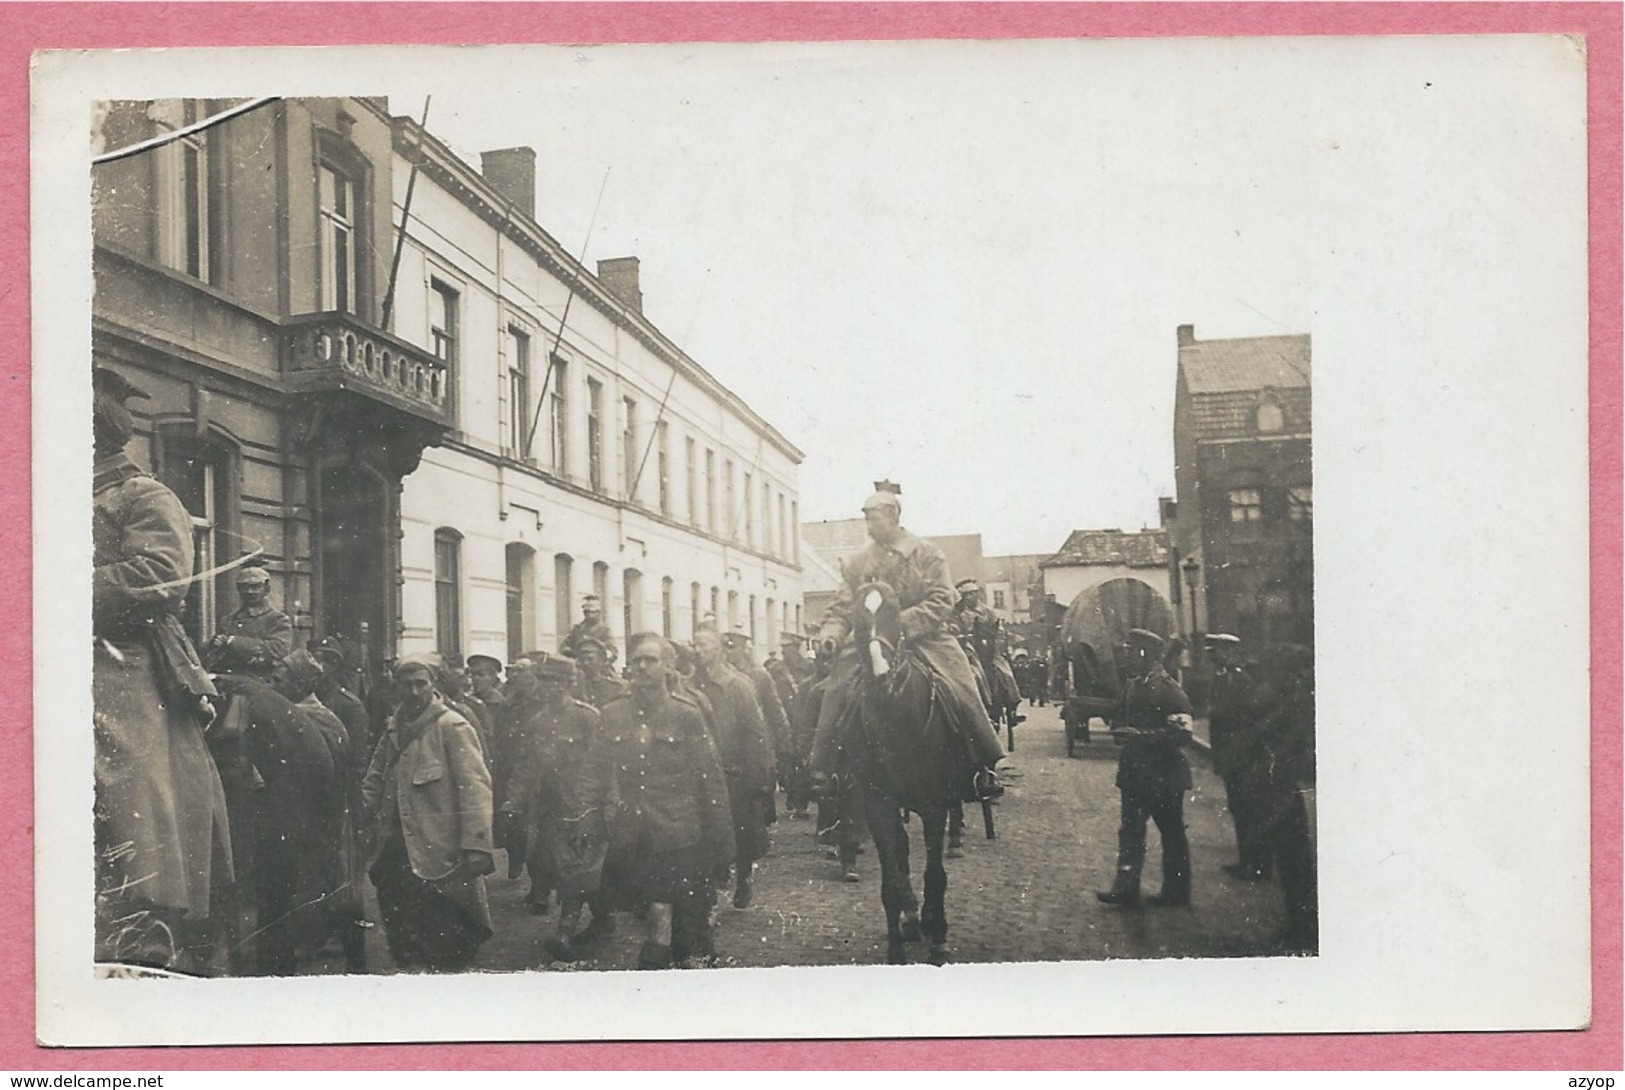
{"x": 747, "y": 755}
{"x": 597, "y": 683}
{"x": 549, "y": 794}
{"x": 1152, "y": 777}
{"x": 254, "y": 638}
{"x": 917, "y": 573}
{"x": 427, "y": 795}
{"x": 740, "y": 654}
{"x": 792, "y": 675}
{"x": 343, "y": 703}
{"x": 1233, "y": 729}
{"x": 590, "y": 627}
{"x": 663, "y": 797}
{"x": 982, "y": 627}
{"x": 1287, "y": 739}
{"x": 163, "y": 846}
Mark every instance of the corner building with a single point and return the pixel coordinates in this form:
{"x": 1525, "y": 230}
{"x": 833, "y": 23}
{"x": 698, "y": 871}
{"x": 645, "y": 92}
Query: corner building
{"x": 597, "y": 460}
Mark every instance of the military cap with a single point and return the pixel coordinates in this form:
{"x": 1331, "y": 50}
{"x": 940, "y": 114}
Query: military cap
{"x": 418, "y": 660}
{"x": 253, "y": 576}
{"x": 327, "y": 647}
{"x": 887, "y": 494}
{"x": 590, "y": 602}
{"x": 1145, "y": 640}
{"x": 304, "y": 667}
{"x": 966, "y": 585}
{"x": 484, "y": 660}
{"x": 110, "y": 382}
{"x": 1222, "y": 639}
{"x": 558, "y": 667}
{"x": 790, "y": 637}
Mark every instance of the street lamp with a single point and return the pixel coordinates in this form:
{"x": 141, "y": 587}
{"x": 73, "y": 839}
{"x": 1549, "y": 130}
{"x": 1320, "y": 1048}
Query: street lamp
{"x": 1193, "y": 571}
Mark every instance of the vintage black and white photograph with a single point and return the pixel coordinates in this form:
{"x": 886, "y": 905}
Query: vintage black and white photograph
{"x": 573, "y": 513}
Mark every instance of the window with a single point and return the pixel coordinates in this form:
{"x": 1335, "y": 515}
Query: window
{"x": 202, "y": 474}
{"x": 750, "y": 515}
{"x": 630, "y": 460}
{"x": 337, "y": 200}
{"x": 443, "y": 321}
{"x": 716, "y": 606}
{"x": 595, "y": 434}
{"x": 185, "y": 181}
{"x": 563, "y": 595}
{"x": 631, "y": 602}
{"x": 1300, "y": 507}
{"x": 752, "y": 624}
{"x": 798, "y": 619}
{"x": 448, "y": 608}
{"x": 558, "y": 419}
{"x": 663, "y": 468}
{"x": 795, "y": 542}
{"x": 728, "y": 500}
{"x": 784, "y": 540}
{"x": 733, "y": 610}
{"x": 666, "y": 587}
{"x": 711, "y": 494}
{"x": 767, "y": 518}
{"x": 600, "y": 586}
{"x": 694, "y": 614}
{"x": 1268, "y": 416}
{"x": 998, "y": 599}
{"x": 1246, "y": 506}
{"x": 519, "y": 413}
{"x": 771, "y": 619}
{"x": 693, "y": 482}
{"x": 520, "y": 578}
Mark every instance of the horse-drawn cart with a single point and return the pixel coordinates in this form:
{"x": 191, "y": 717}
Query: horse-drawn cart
{"x": 1094, "y": 638}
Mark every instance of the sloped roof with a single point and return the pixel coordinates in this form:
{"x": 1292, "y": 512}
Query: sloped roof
{"x": 1245, "y": 363}
{"x": 1112, "y": 548}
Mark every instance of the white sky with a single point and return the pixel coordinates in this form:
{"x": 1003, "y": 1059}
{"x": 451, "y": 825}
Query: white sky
{"x": 959, "y": 265}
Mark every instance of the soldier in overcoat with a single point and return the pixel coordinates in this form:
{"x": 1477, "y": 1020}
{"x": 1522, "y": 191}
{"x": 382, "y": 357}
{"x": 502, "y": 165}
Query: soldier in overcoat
{"x": 1233, "y": 731}
{"x": 917, "y": 573}
{"x": 163, "y": 846}
{"x": 664, "y": 799}
{"x": 256, "y": 636}
{"x": 427, "y": 795}
{"x": 747, "y": 755}
{"x": 549, "y": 793}
{"x": 1152, "y": 777}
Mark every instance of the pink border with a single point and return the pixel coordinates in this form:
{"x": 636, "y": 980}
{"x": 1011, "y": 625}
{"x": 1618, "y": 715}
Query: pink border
{"x": 26, "y": 27}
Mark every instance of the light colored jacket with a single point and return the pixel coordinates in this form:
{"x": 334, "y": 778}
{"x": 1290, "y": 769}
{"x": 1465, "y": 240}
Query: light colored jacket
{"x": 433, "y": 773}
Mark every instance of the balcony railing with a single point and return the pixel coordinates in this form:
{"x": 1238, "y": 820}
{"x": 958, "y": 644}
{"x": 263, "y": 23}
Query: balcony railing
{"x": 338, "y": 351}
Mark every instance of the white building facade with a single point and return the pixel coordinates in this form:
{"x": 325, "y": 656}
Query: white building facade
{"x": 597, "y": 460}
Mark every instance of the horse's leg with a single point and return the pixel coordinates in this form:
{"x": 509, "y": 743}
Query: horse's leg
{"x": 956, "y": 829}
{"x": 891, "y": 847}
{"x": 1012, "y": 717}
{"x": 935, "y": 914}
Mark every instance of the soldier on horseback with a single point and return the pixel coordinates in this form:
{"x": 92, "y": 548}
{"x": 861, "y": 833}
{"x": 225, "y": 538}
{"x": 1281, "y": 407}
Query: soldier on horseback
{"x": 917, "y": 572}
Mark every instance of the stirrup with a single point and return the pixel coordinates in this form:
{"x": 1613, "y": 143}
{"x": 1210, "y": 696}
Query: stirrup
{"x": 986, "y": 784}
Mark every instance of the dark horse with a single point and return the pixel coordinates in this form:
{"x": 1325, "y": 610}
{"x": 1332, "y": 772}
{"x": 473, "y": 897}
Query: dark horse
{"x": 906, "y": 756}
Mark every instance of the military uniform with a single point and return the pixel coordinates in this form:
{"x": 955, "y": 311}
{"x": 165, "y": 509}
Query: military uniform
{"x": 1233, "y": 730}
{"x": 549, "y": 792}
{"x": 163, "y": 846}
{"x": 252, "y": 641}
{"x": 659, "y": 785}
{"x": 917, "y": 573}
{"x": 747, "y": 758}
{"x": 982, "y": 627}
{"x": 588, "y": 630}
{"x": 1152, "y": 777}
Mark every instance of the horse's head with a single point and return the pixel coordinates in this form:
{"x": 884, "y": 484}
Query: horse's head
{"x": 877, "y": 627}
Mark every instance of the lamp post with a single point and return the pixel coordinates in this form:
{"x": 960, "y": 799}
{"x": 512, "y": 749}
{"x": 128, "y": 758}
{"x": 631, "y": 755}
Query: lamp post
{"x": 1193, "y": 571}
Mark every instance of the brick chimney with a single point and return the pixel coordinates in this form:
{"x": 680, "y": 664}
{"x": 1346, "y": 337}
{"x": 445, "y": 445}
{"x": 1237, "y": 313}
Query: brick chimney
{"x": 1186, "y": 335}
{"x": 512, "y": 173}
{"x": 620, "y": 276}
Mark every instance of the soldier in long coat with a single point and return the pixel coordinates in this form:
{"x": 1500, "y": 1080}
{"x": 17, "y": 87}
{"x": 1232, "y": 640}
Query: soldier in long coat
{"x": 664, "y": 799}
{"x": 1233, "y": 731}
{"x": 917, "y": 573}
{"x": 549, "y": 793}
{"x": 163, "y": 847}
{"x": 256, "y": 636}
{"x": 1152, "y": 778}
{"x": 427, "y": 795}
{"x": 986, "y": 634}
{"x": 590, "y": 627}
{"x": 747, "y": 755}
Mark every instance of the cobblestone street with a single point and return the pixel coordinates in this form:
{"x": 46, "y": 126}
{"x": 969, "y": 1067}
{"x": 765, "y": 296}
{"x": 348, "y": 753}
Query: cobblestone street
{"x": 1026, "y": 896}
